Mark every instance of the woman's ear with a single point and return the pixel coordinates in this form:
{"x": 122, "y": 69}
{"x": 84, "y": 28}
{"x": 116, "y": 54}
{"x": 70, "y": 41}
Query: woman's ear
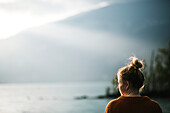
{"x": 127, "y": 85}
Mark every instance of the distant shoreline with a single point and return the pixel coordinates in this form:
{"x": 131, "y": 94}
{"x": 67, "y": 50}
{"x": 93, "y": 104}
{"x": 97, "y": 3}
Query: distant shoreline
{"x": 116, "y": 95}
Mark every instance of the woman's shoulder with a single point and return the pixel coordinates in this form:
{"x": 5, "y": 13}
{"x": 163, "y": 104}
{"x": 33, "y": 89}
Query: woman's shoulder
{"x": 154, "y": 103}
{"x": 114, "y": 101}
{"x": 141, "y": 99}
{"x": 138, "y": 102}
{"x": 156, "y": 106}
{"x": 111, "y": 105}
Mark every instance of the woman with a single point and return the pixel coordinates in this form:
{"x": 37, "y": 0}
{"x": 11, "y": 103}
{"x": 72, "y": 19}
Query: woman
{"x": 130, "y": 82}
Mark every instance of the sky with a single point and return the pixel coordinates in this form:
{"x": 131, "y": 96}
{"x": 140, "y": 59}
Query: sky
{"x": 19, "y": 15}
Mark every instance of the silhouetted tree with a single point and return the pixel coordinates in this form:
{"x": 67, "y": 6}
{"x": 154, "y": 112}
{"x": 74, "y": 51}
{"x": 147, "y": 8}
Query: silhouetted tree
{"x": 158, "y": 76}
{"x": 162, "y": 69}
{"x": 152, "y": 78}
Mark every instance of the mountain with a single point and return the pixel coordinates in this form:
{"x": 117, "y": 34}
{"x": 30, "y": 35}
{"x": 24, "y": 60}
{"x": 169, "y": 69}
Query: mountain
{"x": 146, "y": 19}
{"x": 87, "y": 47}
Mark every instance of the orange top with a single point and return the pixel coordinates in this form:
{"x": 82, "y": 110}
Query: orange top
{"x": 124, "y": 104}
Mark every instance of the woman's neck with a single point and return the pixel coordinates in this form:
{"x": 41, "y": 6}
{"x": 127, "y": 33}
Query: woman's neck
{"x": 132, "y": 94}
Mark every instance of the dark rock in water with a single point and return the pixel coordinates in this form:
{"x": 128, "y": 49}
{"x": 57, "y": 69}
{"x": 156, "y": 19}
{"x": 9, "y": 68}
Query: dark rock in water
{"x": 101, "y": 97}
{"x": 98, "y": 97}
{"x": 81, "y": 97}
{"x": 108, "y": 96}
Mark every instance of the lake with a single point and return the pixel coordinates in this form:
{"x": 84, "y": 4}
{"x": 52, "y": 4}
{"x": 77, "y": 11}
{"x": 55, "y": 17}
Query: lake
{"x": 58, "y": 98}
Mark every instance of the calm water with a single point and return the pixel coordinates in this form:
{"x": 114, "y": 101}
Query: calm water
{"x": 57, "y": 98}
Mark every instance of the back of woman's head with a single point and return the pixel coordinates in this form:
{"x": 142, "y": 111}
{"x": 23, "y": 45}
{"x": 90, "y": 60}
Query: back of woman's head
{"x": 132, "y": 73}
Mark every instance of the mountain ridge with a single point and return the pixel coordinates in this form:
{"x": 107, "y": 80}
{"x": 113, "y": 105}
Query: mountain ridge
{"x": 144, "y": 19}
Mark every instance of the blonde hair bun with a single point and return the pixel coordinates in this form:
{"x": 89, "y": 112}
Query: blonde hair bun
{"x": 135, "y": 63}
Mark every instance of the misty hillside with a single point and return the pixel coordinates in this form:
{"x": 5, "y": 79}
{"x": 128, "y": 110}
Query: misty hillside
{"x": 88, "y": 47}
{"x": 142, "y": 19}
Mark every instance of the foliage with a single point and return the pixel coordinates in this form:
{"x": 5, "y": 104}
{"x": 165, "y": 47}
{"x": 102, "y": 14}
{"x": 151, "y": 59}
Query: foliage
{"x": 158, "y": 76}
{"x": 162, "y": 69}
